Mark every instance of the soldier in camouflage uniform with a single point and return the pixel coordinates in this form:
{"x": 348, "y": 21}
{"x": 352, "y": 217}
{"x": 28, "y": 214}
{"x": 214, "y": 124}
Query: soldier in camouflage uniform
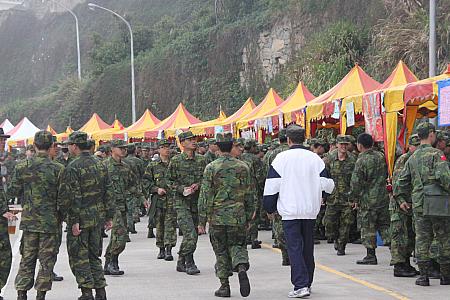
{"x": 87, "y": 201}
{"x": 126, "y": 186}
{"x": 5, "y": 215}
{"x": 138, "y": 167}
{"x": 227, "y": 203}
{"x": 402, "y": 232}
{"x": 318, "y": 146}
{"x": 64, "y": 156}
{"x": 185, "y": 176}
{"x": 37, "y": 179}
{"x": 211, "y": 154}
{"x": 369, "y": 193}
{"x": 426, "y": 166}
{"x": 257, "y": 171}
{"x": 338, "y": 215}
{"x": 155, "y": 185}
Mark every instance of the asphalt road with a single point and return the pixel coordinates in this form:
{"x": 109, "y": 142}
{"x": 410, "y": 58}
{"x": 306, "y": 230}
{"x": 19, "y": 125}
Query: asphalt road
{"x": 148, "y": 278}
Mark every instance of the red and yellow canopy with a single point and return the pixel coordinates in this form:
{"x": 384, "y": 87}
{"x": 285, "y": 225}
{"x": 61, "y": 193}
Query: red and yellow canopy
{"x": 106, "y": 134}
{"x": 63, "y": 136}
{"x": 51, "y": 130}
{"x": 146, "y": 122}
{"x": 94, "y": 124}
{"x": 207, "y": 128}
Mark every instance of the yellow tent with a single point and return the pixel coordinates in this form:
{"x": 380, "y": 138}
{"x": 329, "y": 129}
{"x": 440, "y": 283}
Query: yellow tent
{"x": 241, "y": 113}
{"x": 51, "y": 130}
{"x": 94, "y": 124}
{"x": 107, "y": 133}
{"x": 207, "y": 128}
{"x": 146, "y": 122}
{"x": 60, "y": 137}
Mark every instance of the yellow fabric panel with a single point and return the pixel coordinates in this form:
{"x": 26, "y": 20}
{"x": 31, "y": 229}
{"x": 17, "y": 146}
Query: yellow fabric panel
{"x": 411, "y": 115}
{"x": 393, "y": 99}
{"x": 287, "y": 118}
{"x": 314, "y": 112}
{"x": 391, "y": 138}
{"x": 343, "y": 125}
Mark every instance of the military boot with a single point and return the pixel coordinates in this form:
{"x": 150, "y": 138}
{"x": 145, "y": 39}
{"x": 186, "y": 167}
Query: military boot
{"x": 411, "y": 268}
{"x": 402, "y": 270}
{"x": 56, "y": 277}
{"x": 340, "y": 250}
{"x": 21, "y": 295}
{"x": 115, "y": 260}
{"x": 40, "y": 295}
{"x": 370, "y": 258}
{"x": 445, "y": 274}
{"x": 162, "y": 253}
{"x": 113, "y": 267}
{"x": 181, "y": 264}
{"x": 244, "y": 283}
{"x": 150, "y": 234}
{"x": 105, "y": 268}
{"x": 224, "y": 290}
{"x": 100, "y": 294}
{"x": 434, "y": 271}
{"x": 285, "y": 258}
{"x": 191, "y": 268}
{"x": 256, "y": 245}
{"x": 169, "y": 256}
{"x": 86, "y": 294}
{"x": 423, "y": 279}
{"x": 132, "y": 229}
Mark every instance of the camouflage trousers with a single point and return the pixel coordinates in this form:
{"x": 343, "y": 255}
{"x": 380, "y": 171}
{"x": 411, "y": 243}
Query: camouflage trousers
{"x": 427, "y": 229}
{"x": 166, "y": 227}
{"x": 373, "y": 220}
{"x": 187, "y": 217}
{"x": 5, "y": 253}
{"x": 277, "y": 226}
{"x": 132, "y": 213}
{"x": 402, "y": 237}
{"x": 84, "y": 257}
{"x": 338, "y": 220}
{"x": 34, "y": 246}
{"x": 119, "y": 234}
{"x": 252, "y": 233}
{"x": 230, "y": 248}
{"x": 319, "y": 228}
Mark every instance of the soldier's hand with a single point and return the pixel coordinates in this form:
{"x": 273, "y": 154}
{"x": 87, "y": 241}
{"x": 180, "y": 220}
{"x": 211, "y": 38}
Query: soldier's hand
{"x": 201, "y": 229}
{"x": 405, "y": 206}
{"x": 161, "y": 192}
{"x": 76, "y": 229}
{"x": 271, "y": 216}
{"x": 10, "y": 216}
{"x": 254, "y": 216}
{"x": 355, "y": 206}
{"x": 108, "y": 225}
{"x": 194, "y": 187}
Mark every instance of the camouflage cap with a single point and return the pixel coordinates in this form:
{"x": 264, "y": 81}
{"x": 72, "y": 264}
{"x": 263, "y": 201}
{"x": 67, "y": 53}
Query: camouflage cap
{"x": 425, "y": 128}
{"x": 91, "y": 143}
{"x": 239, "y": 142}
{"x": 30, "y": 148}
{"x": 250, "y": 143}
{"x": 163, "y": 142}
{"x": 43, "y": 137}
{"x": 282, "y": 134}
{"x": 201, "y": 145}
{"x": 343, "y": 139}
{"x": 211, "y": 141}
{"x": 414, "y": 140}
{"x": 441, "y": 135}
{"x": 320, "y": 141}
{"x": 185, "y": 135}
{"x": 77, "y": 137}
{"x": 312, "y": 141}
{"x": 131, "y": 146}
{"x": 118, "y": 144}
{"x": 332, "y": 141}
{"x": 352, "y": 139}
{"x": 145, "y": 146}
{"x": 224, "y": 137}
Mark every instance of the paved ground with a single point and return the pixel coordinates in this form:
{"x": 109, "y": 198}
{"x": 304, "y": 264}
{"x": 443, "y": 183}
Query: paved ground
{"x": 149, "y": 278}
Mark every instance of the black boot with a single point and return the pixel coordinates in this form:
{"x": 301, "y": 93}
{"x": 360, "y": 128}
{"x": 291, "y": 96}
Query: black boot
{"x": 423, "y": 279}
{"x": 445, "y": 274}
{"x": 150, "y": 234}
{"x": 191, "y": 268}
{"x": 40, "y": 295}
{"x": 285, "y": 258}
{"x": 244, "y": 283}
{"x": 55, "y": 277}
{"x": 181, "y": 264}
{"x": 340, "y": 250}
{"x": 335, "y": 245}
{"x": 224, "y": 290}
{"x": 100, "y": 294}
{"x": 411, "y": 268}
{"x": 256, "y": 245}
{"x": 168, "y": 256}
{"x": 132, "y": 230}
{"x": 402, "y": 270}
{"x": 162, "y": 253}
{"x": 370, "y": 258}
{"x": 330, "y": 241}
{"x": 105, "y": 268}
{"x": 86, "y": 294}
{"x": 435, "y": 270}
{"x": 21, "y": 295}
{"x": 113, "y": 267}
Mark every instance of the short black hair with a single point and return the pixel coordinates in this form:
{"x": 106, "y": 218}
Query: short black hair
{"x": 225, "y": 146}
{"x": 283, "y": 139}
{"x": 44, "y": 146}
{"x": 296, "y": 134}
{"x": 84, "y": 146}
{"x": 131, "y": 151}
{"x": 365, "y": 140}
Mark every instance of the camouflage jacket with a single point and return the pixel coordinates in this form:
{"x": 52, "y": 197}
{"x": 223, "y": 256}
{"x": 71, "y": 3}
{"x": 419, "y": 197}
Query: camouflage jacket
{"x": 432, "y": 167}
{"x": 37, "y": 180}
{"x": 341, "y": 173}
{"x": 86, "y": 193}
{"x": 3, "y": 210}
{"x": 368, "y": 182}
{"x": 226, "y": 196}
{"x": 156, "y": 176}
{"x": 398, "y": 168}
{"x": 136, "y": 164}
{"x": 65, "y": 162}
{"x": 183, "y": 172}
{"x": 257, "y": 167}
{"x": 209, "y": 157}
{"x": 124, "y": 182}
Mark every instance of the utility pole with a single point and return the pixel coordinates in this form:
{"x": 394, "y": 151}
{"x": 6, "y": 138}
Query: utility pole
{"x": 432, "y": 40}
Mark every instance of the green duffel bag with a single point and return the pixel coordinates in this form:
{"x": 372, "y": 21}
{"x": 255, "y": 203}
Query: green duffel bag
{"x": 436, "y": 202}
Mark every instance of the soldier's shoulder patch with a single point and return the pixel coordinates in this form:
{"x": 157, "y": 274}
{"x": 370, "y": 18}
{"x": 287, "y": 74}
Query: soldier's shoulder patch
{"x": 443, "y": 157}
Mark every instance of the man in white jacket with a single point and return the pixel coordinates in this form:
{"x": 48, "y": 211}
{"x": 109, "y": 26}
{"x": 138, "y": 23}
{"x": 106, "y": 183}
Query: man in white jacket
{"x": 294, "y": 186}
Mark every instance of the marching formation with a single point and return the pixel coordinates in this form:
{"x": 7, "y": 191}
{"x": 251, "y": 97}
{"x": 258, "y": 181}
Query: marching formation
{"x": 217, "y": 186}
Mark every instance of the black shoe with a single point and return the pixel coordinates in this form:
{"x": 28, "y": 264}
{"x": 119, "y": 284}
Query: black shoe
{"x": 434, "y": 271}
{"x": 411, "y": 268}
{"x": 133, "y": 231}
{"x": 335, "y": 245}
{"x": 128, "y": 239}
{"x": 275, "y": 245}
{"x": 191, "y": 268}
{"x": 330, "y": 241}
{"x": 162, "y": 253}
{"x": 423, "y": 279}
{"x": 105, "y": 268}
{"x": 402, "y": 270}
{"x": 244, "y": 283}
{"x": 316, "y": 242}
{"x": 223, "y": 291}
{"x": 357, "y": 242}
{"x": 21, "y": 295}
{"x": 40, "y": 295}
{"x": 340, "y": 251}
{"x": 55, "y": 277}
{"x": 100, "y": 294}
{"x": 168, "y": 256}
{"x": 256, "y": 245}
{"x": 370, "y": 258}
{"x": 181, "y": 264}
{"x": 150, "y": 234}
{"x": 445, "y": 280}
{"x": 285, "y": 261}
{"x": 86, "y": 294}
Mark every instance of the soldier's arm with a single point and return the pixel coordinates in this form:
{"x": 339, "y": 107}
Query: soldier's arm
{"x": 134, "y": 188}
{"x": 402, "y": 186}
{"x": 148, "y": 183}
{"x": 442, "y": 172}
{"x": 173, "y": 177}
{"x": 71, "y": 196}
{"x": 109, "y": 200}
{"x": 249, "y": 194}
{"x": 206, "y": 195}
{"x": 15, "y": 184}
{"x": 60, "y": 173}
{"x": 356, "y": 183}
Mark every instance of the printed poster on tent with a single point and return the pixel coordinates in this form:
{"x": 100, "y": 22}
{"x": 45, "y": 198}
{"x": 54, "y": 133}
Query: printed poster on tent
{"x": 372, "y": 116}
{"x": 444, "y": 102}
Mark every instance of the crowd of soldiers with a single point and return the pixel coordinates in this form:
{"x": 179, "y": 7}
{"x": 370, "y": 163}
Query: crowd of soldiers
{"x": 219, "y": 182}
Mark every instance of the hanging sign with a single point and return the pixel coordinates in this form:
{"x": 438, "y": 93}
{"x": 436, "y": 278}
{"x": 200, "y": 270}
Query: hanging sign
{"x": 444, "y": 102}
{"x": 350, "y": 108}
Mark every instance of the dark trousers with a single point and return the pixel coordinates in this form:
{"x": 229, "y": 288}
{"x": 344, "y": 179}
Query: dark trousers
{"x": 300, "y": 246}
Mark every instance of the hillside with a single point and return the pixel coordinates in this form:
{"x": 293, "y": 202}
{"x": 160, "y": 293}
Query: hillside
{"x": 187, "y": 52}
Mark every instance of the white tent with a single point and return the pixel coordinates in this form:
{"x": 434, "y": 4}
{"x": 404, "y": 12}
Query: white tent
{"x": 7, "y": 126}
{"x": 23, "y": 130}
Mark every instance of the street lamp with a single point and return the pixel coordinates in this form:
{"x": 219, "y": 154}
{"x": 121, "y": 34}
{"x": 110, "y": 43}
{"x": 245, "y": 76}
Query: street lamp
{"x": 133, "y": 95}
{"x": 78, "y": 35}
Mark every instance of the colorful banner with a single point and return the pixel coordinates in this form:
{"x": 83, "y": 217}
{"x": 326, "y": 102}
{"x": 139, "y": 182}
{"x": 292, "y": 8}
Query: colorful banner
{"x": 350, "y": 108}
{"x": 444, "y": 102}
{"x": 372, "y": 116}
